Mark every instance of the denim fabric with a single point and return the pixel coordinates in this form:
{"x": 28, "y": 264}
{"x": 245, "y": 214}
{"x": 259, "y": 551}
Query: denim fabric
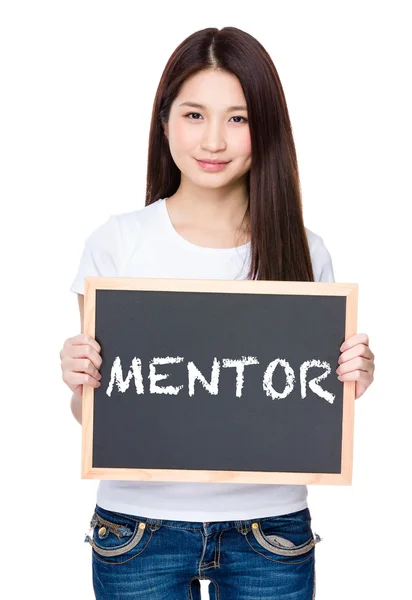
{"x": 153, "y": 559}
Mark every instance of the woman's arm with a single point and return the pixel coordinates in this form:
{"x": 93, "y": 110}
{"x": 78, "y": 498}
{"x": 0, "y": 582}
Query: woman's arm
{"x": 76, "y": 401}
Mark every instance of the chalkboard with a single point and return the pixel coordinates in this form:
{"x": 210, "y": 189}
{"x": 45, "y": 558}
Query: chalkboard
{"x": 229, "y": 381}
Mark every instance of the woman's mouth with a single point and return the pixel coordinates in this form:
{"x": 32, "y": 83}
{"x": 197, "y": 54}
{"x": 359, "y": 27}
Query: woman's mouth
{"x": 211, "y": 166}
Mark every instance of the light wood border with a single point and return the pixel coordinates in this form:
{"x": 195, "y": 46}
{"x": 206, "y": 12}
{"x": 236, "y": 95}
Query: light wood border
{"x": 350, "y": 290}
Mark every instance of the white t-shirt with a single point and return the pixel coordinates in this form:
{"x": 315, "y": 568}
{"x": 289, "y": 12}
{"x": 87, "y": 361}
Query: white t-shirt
{"x": 144, "y": 243}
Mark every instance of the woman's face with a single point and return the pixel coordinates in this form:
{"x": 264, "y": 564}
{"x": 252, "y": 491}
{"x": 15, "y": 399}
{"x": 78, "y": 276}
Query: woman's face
{"x": 208, "y": 121}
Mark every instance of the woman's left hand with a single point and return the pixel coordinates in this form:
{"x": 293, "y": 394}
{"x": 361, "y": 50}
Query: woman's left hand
{"x": 357, "y": 363}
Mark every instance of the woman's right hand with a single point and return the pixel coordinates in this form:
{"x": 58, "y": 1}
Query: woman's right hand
{"x": 80, "y": 361}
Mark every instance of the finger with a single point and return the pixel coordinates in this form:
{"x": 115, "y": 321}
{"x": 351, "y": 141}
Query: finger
{"x": 358, "y": 350}
{"x": 359, "y": 338}
{"x": 83, "y": 365}
{"x": 72, "y": 378}
{"x": 82, "y": 359}
{"x": 358, "y": 363}
{"x": 357, "y": 375}
{"x": 81, "y": 339}
{"x": 86, "y": 351}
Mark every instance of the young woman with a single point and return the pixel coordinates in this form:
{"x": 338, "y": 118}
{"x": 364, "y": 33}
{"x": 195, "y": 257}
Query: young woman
{"x": 222, "y": 202}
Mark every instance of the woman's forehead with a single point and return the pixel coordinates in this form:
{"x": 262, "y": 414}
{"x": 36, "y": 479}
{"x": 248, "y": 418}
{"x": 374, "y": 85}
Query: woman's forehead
{"x": 212, "y": 88}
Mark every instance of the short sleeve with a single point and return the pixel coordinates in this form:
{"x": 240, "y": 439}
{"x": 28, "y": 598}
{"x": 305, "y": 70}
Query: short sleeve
{"x": 100, "y": 255}
{"x": 322, "y": 263}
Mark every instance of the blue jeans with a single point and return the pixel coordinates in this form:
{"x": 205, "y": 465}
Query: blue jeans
{"x": 158, "y": 559}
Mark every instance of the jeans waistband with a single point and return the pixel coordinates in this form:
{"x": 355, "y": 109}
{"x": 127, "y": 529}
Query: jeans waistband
{"x": 211, "y": 526}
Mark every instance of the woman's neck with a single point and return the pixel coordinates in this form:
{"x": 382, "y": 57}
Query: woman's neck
{"x": 208, "y": 217}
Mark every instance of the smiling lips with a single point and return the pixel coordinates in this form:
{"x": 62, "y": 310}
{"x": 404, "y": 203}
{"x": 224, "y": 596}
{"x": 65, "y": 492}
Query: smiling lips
{"x": 211, "y": 165}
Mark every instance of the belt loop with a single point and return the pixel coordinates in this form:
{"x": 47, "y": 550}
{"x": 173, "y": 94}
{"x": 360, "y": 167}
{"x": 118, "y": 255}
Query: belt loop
{"x": 154, "y": 524}
{"x": 93, "y": 520}
{"x": 243, "y": 527}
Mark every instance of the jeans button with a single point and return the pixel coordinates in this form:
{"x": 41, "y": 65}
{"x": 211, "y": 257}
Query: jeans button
{"x": 102, "y": 531}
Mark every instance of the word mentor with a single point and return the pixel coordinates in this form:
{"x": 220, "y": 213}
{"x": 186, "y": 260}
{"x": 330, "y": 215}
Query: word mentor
{"x": 212, "y": 385}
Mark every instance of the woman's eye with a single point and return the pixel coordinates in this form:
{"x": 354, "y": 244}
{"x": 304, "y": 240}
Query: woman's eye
{"x": 192, "y": 113}
{"x": 198, "y": 114}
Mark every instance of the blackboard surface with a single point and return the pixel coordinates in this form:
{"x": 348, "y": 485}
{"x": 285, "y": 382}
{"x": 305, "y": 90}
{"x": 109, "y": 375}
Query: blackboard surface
{"x": 254, "y": 432}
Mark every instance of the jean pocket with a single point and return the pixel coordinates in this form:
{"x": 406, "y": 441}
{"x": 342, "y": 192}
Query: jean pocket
{"x": 116, "y": 535}
{"x": 283, "y": 538}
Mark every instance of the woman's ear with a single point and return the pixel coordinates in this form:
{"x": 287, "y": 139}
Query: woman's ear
{"x": 166, "y": 129}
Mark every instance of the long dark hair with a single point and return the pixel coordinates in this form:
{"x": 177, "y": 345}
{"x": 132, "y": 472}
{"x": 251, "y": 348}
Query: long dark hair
{"x": 279, "y": 245}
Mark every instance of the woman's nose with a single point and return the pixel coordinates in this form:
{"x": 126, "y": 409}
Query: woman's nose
{"x": 214, "y": 139}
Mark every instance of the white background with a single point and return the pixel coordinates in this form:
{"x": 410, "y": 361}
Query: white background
{"x": 78, "y": 79}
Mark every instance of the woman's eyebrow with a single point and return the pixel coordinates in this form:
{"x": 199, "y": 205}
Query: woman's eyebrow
{"x": 196, "y": 105}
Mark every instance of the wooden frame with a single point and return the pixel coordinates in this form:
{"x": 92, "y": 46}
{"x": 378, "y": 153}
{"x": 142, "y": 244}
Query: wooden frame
{"x": 350, "y": 290}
